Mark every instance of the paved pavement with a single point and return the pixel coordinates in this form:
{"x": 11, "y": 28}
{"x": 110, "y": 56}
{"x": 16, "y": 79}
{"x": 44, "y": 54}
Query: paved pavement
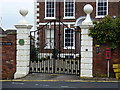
{"x": 63, "y": 77}
{"x": 44, "y": 76}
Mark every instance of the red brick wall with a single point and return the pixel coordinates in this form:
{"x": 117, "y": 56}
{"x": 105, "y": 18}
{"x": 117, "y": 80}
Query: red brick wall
{"x": 100, "y": 63}
{"x": 8, "y": 56}
{"x": 113, "y": 8}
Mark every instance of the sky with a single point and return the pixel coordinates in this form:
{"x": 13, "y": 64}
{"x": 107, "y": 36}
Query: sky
{"x": 9, "y": 12}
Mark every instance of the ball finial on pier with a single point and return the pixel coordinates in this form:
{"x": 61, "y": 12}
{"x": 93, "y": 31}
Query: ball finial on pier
{"x": 23, "y": 12}
{"x": 88, "y": 10}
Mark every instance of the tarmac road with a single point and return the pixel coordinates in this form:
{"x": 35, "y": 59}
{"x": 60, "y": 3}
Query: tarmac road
{"x": 59, "y": 81}
{"x": 59, "y": 84}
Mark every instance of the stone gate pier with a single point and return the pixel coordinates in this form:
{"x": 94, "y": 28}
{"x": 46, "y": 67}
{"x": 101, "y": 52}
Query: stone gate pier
{"x": 86, "y": 44}
{"x": 23, "y": 46}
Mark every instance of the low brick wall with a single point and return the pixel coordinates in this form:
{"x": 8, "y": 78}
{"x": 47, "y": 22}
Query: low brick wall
{"x": 100, "y": 63}
{"x": 8, "y": 48}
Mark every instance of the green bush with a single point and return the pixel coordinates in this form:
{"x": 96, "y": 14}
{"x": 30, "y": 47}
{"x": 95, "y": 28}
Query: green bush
{"x": 107, "y": 30}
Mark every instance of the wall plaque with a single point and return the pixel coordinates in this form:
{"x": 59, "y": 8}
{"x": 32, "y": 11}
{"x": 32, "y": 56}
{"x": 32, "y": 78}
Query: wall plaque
{"x": 21, "y": 41}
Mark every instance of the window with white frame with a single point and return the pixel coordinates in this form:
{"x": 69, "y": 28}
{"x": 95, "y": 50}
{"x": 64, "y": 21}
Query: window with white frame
{"x": 101, "y": 8}
{"x": 50, "y": 9}
{"x": 69, "y": 8}
{"x": 49, "y": 44}
{"x": 69, "y": 38}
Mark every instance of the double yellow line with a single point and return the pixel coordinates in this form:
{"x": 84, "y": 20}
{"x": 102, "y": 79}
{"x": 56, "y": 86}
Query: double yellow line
{"x": 59, "y": 81}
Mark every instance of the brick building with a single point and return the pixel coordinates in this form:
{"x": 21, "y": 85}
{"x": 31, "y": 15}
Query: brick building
{"x": 70, "y": 12}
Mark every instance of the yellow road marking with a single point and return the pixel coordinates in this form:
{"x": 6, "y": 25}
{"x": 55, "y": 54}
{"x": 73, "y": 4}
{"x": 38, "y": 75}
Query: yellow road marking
{"x": 56, "y": 81}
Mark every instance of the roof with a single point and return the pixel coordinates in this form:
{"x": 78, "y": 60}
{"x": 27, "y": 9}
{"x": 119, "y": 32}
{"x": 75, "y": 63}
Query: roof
{"x": 2, "y": 31}
{"x": 9, "y": 31}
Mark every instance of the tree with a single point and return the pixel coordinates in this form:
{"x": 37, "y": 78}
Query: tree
{"x": 107, "y": 30}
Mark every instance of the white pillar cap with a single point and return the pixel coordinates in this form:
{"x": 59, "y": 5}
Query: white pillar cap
{"x": 88, "y": 10}
{"x": 23, "y": 12}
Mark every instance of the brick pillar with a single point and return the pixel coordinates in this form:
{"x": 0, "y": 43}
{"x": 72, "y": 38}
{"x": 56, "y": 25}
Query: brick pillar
{"x": 86, "y": 45}
{"x": 23, "y": 46}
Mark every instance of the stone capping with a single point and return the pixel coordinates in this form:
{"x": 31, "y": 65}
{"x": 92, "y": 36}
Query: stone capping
{"x": 7, "y": 32}
{"x": 12, "y": 33}
{"x": 27, "y": 26}
{"x": 86, "y": 26}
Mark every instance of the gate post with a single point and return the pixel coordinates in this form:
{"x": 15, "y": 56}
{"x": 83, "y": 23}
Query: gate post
{"x": 23, "y": 46}
{"x": 86, "y": 45}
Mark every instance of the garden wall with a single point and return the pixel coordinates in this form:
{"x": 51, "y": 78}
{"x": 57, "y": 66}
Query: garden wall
{"x": 8, "y": 53}
{"x": 100, "y": 63}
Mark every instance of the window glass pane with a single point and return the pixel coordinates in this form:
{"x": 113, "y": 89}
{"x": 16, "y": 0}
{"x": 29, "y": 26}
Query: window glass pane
{"x": 71, "y": 44}
{"x": 100, "y": 4}
{"x": 71, "y": 35}
{"x": 67, "y": 35}
{"x": 100, "y": 8}
{"x": 67, "y": 44}
{"x": 105, "y": 8}
{"x": 71, "y": 40}
{"x": 105, "y": 3}
{"x": 71, "y": 30}
{"x": 105, "y": 12}
{"x": 67, "y": 40}
{"x": 67, "y": 31}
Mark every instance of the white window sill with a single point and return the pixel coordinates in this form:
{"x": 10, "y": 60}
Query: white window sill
{"x": 48, "y": 48}
{"x": 47, "y": 18}
{"x": 69, "y": 48}
{"x": 99, "y": 16}
{"x": 69, "y": 18}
